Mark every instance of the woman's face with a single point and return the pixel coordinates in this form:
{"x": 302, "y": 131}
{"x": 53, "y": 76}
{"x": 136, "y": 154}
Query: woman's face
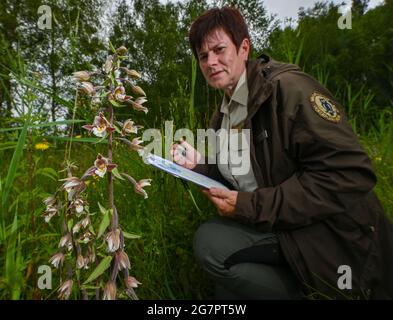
{"x": 220, "y": 62}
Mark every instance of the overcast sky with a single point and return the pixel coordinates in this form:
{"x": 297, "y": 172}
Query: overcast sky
{"x": 289, "y": 8}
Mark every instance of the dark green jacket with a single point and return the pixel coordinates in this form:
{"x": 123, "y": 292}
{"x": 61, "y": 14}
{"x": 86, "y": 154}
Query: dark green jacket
{"x": 315, "y": 184}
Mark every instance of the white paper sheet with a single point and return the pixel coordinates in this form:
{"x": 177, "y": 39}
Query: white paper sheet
{"x": 183, "y": 173}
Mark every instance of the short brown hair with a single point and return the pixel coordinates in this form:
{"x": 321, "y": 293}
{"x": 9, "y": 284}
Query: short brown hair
{"x": 228, "y": 18}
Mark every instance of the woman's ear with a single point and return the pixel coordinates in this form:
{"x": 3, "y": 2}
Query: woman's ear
{"x": 244, "y": 49}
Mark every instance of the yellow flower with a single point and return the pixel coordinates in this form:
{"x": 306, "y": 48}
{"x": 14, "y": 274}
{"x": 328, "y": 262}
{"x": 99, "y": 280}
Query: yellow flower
{"x": 41, "y": 146}
{"x": 78, "y": 136}
{"x": 378, "y": 159}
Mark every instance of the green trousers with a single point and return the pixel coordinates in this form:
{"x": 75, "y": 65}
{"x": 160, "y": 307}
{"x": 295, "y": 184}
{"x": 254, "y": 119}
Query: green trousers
{"x": 243, "y": 262}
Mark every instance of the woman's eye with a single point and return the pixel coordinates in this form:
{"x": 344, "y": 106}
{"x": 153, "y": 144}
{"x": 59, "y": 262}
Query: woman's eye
{"x": 220, "y": 49}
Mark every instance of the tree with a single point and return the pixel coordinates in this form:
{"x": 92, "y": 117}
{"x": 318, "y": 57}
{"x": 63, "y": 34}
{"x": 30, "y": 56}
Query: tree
{"x": 157, "y": 38}
{"x": 75, "y": 26}
{"x": 360, "y": 6}
{"x": 257, "y": 19}
{"x": 355, "y": 64}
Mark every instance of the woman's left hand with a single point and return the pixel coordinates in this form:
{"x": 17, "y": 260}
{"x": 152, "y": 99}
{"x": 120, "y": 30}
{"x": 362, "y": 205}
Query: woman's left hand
{"x": 224, "y": 200}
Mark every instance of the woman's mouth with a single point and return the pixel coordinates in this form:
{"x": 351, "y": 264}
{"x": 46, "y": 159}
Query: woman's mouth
{"x": 215, "y": 74}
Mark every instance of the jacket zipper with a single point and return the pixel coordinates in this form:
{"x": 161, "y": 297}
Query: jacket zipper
{"x": 266, "y": 156}
{"x": 261, "y": 142}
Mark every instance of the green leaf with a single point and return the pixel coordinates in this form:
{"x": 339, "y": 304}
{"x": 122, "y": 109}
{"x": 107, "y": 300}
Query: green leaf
{"x": 187, "y": 187}
{"x": 114, "y": 103}
{"x": 70, "y": 224}
{"x": 89, "y": 287}
{"x": 10, "y": 267}
{"x": 101, "y": 140}
{"x": 130, "y": 235}
{"x": 116, "y": 173}
{"x": 46, "y": 90}
{"x": 91, "y": 229}
{"x": 19, "y": 264}
{"x": 90, "y": 140}
{"x": 48, "y": 172}
{"x": 7, "y": 145}
{"x": 15, "y": 161}
{"x": 104, "y": 264}
{"x": 104, "y": 224}
{"x": 191, "y": 108}
{"x": 102, "y": 209}
{"x": 117, "y": 129}
{"x": 112, "y": 47}
{"x": 44, "y": 124}
{"x": 106, "y": 83}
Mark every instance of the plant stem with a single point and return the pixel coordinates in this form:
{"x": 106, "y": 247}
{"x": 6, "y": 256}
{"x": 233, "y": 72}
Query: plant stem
{"x": 110, "y": 176}
{"x": 114, "y": 221}
{"x": 110, "y": 157}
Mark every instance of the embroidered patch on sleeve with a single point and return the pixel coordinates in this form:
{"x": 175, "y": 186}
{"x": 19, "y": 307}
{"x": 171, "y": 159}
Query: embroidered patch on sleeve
{"x": 325, "y": 108}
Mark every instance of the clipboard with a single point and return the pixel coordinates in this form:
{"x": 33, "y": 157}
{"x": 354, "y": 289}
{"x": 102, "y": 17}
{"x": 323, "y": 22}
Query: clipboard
{"x": 182, "y": 173}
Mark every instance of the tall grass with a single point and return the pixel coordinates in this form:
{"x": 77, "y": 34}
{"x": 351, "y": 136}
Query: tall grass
{"x": 378, "y": 142}
{"x": 20, "y": 196}
{"x": 191, "y": 108}
{"x": 10, "y": 239}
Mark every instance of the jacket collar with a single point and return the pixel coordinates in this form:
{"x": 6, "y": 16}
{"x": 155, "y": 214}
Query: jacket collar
{"x": 260, "y": 72}
{"x": 259, "y": 88}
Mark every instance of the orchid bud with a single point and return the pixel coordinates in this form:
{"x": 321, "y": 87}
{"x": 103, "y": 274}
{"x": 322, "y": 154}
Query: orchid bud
{"x": 108, "y": 64}
{"x": 81, "y": 76}
{"x": 122, "y": 259}
{"x": 65, "y": 289}
{"x": 131, "y": 282}
{"x": 57, "y": 259}
{"x": 87, "y": 88}
{"x": 110, "y": 291}
{"x": 133, "y": 74}
{"x": 138, "y": 90}
{"x": 121, "y": 51}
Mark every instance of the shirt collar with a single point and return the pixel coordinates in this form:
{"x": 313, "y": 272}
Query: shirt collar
{"x": 240, "y": 95}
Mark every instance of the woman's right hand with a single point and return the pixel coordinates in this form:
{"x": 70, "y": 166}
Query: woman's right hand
{"x": 185, "y": 155}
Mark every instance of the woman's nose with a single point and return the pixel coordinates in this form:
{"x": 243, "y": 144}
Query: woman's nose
{"x": 211, "y": 59}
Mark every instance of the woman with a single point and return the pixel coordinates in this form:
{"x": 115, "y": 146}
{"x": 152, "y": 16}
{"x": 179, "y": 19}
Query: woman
{"x": 303, "y": 218}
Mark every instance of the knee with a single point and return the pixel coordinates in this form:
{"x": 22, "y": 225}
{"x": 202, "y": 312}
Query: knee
{"x": 202, "y": 242}
{"x": 206, "y": 245}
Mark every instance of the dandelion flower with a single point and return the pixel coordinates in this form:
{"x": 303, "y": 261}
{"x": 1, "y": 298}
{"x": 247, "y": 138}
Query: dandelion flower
{"x": 41, "y": 146}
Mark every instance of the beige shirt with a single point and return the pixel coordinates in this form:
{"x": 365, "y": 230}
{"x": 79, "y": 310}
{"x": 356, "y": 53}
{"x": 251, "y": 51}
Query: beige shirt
{"x": 234, "y": 144}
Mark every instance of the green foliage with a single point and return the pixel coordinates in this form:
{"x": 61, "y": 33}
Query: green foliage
{"x": 356, "y": 65}
{"x": 259, "y": 23}
{"x": 104, "y": 222}
{"x": 14, "y": 163}
{"x": 100, "y": 269}
{"x": 13, "y": 261}
{"x": 360, "y": 57}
